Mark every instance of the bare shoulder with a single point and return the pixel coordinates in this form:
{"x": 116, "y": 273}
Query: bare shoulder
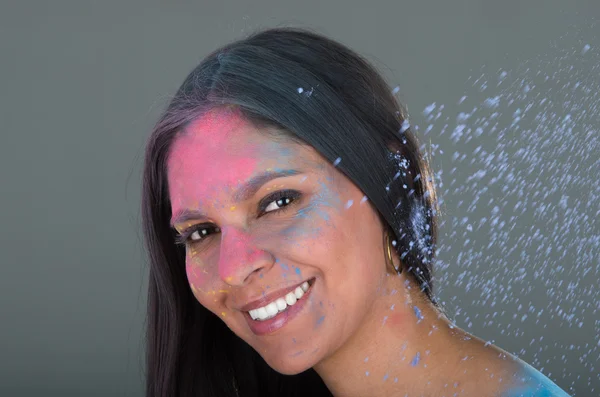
{"x": 504, "y": 375}
{"x": 494, "y": 372}
{"x": 529, "y": 382}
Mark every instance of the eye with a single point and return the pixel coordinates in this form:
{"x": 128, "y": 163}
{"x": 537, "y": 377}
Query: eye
{"x": 195, "y": 233}
{"x": 278, "y": 200}
{"x": 275, "y": 202}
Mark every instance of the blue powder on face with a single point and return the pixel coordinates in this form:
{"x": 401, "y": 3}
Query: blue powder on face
{"x": 303, "y": 213}
{"x": 320, "y": 320}
{"x": 298, "y": 271}
{"x": 418, "y": 314}
{"x": 415, "y": 360}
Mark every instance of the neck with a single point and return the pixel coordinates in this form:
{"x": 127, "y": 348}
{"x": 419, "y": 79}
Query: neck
{"x": 405, "y": 347}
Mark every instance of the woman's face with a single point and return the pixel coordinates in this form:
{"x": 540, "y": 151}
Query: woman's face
{"x": 252, "y": 245}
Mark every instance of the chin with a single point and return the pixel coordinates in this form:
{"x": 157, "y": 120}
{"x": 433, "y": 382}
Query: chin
{"x": 291, "y": 364}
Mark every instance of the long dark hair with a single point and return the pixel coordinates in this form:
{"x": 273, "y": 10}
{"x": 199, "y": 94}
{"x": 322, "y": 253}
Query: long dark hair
{"x": 318, "y": 92}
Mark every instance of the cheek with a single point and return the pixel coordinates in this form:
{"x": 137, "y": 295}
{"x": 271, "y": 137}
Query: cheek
{"x": 198, "y": 276}
{"x": 203, "y": 288}
{"x": 310, "y": 245}
{"x": 304, "y": 237}
{"x": 356, "y": 268}
{"x": 312, "y": 227}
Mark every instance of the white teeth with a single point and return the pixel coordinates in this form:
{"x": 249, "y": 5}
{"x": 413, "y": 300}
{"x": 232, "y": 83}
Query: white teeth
{"x": 272, "y": 309}
{"x": 280, "y": 304}
{"x": 290, "y": 298}
{"x": 252, "y": 314}
{"x": 262, "y": 313}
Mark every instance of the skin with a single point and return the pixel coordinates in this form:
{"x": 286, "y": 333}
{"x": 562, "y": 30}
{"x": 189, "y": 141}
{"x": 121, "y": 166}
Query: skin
{"x": 359, "y": 328}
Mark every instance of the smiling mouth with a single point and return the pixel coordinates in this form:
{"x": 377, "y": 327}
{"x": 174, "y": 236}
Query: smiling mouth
{"x": 282, "y": 304}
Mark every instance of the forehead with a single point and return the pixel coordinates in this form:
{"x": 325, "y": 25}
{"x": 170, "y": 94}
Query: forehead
{"x": 221, "y": 150}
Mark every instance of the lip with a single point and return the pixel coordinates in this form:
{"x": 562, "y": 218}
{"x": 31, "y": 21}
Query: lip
{"x": 265, "y": 300}
{"x": 281, "y": 319}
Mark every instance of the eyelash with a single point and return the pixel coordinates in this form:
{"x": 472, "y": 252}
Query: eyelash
{"x": 182, "y": 239}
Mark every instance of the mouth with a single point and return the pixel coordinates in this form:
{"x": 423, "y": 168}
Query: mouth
{"x": 276, "y": 314}
{"x": 282, "y": 304}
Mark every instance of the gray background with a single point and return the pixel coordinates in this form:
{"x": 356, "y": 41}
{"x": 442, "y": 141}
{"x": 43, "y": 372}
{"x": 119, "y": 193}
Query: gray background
{"x": 83, "y": 82}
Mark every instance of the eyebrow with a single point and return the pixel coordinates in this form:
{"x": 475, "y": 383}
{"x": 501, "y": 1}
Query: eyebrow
{"x": 245, "y": 192}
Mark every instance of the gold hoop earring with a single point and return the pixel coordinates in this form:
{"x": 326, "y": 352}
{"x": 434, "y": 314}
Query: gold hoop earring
{"x": 389, "y": 255}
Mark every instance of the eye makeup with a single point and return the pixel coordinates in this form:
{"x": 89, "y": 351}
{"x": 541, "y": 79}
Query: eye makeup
{"x": 286, "y": 199}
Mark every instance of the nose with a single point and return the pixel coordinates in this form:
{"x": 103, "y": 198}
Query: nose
{"x": 239, "y": 258}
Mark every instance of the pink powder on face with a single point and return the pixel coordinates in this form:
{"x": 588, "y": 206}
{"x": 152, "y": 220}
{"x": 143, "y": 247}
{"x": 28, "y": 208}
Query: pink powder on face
{"x": 211, "y": 157}
{"x": 237, "y": 253}
{"x": 216, "y": 126}
{"x": 206, "y": 164}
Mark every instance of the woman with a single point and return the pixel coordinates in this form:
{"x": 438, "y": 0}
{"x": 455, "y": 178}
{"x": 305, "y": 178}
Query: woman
{"x": 291, "y": 223}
